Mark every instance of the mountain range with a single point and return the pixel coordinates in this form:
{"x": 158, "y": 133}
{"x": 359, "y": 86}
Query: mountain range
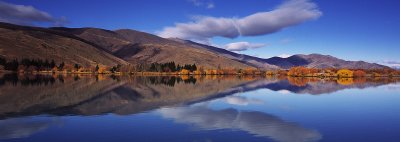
{"x": 92, "y": 46}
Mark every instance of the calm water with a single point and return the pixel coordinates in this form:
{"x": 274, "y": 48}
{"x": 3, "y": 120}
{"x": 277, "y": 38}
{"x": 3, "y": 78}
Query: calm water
{"x": 197, "y": 109}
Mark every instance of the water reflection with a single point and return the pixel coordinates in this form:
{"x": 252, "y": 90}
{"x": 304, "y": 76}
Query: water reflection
{"x": 22, "y": 97}
{"x": 253, "y": 122}
{"x": 242, "y": 101}
{"x": 26, "y": 95}
{"x": 23, "y": 127}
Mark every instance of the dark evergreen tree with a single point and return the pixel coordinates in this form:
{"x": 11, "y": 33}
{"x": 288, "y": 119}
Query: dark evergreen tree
{"x": 178, "y": 68}
{"x": 12, "y": 65}
{"x": 77, "y": 67}
{"x": 61, "y": 66}
{"x": 194, "y": 67}
{"x": 97, "y": 68}
{"x": 52, "y": 64}
{"x": 2, "y": 61}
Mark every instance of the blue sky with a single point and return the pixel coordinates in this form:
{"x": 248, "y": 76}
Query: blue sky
{"x": 349, "y": 29}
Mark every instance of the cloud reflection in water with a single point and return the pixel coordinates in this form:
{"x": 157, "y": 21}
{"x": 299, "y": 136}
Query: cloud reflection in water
{"x": 253, "y": 122}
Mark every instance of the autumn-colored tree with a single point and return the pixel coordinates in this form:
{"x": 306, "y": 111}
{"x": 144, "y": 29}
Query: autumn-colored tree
{"x": 103, "y": 69}
{"x": 200, "y": 70}
{"x": 359, "y": 73}
{"x": 345, "y": 73}
{"x": 298, "y": 71}
{"x": 249, "y": 71}
{"x": 330, "y": 73}
{"x": 184, "y": 72}
{"x": 211, "y": 72}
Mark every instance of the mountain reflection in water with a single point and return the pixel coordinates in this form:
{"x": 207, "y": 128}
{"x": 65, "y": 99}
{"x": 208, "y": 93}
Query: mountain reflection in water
{"x": 176, "y": 98}
{"x": 26, "y": 95}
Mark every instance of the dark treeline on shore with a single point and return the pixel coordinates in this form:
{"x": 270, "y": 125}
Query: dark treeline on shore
{"x": 32, "y": 64}
{"x": 171, "y": 68}
{"x": 36, "y": 65}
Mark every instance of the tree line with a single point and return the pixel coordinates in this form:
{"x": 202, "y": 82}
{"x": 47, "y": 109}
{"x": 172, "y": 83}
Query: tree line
{"x": 171, "y": 67}
{"x": 36, "y": 65}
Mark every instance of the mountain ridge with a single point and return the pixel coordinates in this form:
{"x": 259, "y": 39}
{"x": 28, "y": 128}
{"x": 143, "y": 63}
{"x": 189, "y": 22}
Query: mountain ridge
{"x": 126, "y": 46}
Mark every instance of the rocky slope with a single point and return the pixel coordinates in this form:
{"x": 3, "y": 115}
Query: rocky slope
{"x": 91, "y": 46}
{"x": 17, "y": 42}
{"x": 139, "y": 47}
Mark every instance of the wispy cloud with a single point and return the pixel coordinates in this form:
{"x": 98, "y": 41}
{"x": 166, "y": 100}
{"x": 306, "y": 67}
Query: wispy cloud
{"x": 242, "y": 46}
{"x": 202, "y": 28}
{"x": 26, "y": 15}
{"x": 203, "y": 3}
{"x": 393, "y": 64}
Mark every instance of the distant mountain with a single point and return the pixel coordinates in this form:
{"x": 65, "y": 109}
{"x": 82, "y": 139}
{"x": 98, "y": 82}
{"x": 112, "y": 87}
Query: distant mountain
{"x": 91, "y": 46}
{"x": 312, "y": 60}
{"x": 320, "y": 61}
{"x": 41, "y": 43}
{"x": 246, "y": 59}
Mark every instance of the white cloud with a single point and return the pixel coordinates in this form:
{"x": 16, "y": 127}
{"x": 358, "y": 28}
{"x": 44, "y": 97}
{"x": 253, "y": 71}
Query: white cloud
{"x": 242, "y": 101}
{"x": 26, "y": 15}
{"x": 284, "y": 55}
{"x": 201, "y": 3}
{"x": 290, "y": 13}
{"x": 393, "y": 64}
{"x": 242, "y": 46}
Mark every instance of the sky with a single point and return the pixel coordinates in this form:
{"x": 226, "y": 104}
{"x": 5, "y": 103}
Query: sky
{"x": 355, "y": 30}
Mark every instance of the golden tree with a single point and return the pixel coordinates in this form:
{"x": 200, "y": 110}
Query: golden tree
{"x": 345, "y": 73}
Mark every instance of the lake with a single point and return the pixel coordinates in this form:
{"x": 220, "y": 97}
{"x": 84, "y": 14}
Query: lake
{"x": 109, "y": 108}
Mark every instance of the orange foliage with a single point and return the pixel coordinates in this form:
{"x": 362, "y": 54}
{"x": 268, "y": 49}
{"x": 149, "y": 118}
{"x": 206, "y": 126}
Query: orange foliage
{"x": 298, "y": 71}
{"x": 211, "y": 72}
{"x": 103, "y": 69}
{"x": 359, "y": 73}
{"x": 184, "y": 71}
{"x": 345, "y": 73}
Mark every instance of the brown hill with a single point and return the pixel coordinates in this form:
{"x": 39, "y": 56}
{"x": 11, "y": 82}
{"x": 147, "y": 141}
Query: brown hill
{"x": 17, "y": 42}
{"x": 91, "y": 46}
{"x": 139, "y": 47}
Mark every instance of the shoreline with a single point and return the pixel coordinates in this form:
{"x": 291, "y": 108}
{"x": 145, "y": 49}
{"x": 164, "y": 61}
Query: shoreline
{"x": 178, "y": 74}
